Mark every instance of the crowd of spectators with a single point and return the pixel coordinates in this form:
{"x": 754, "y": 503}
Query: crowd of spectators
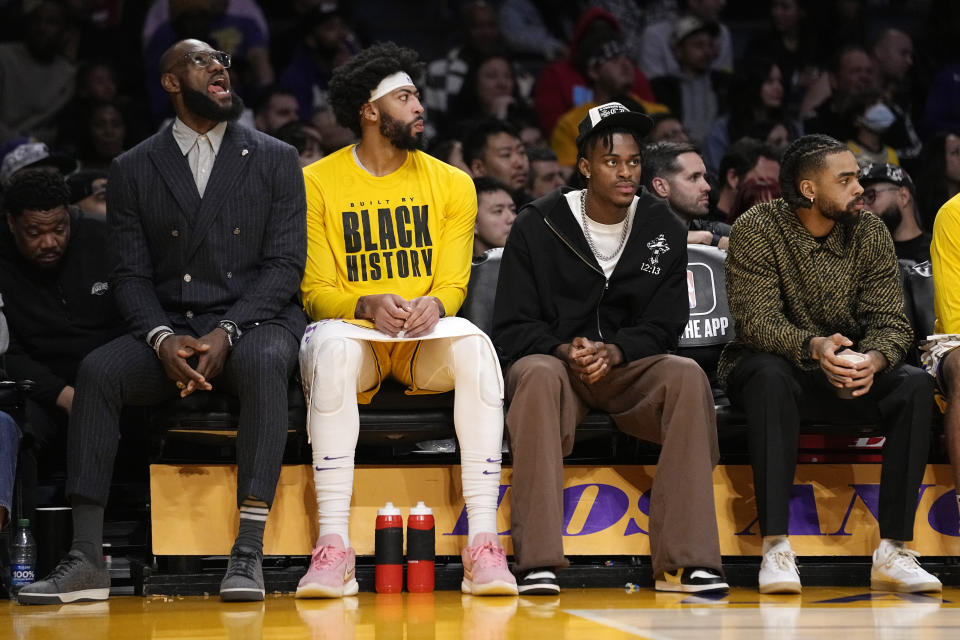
{"x": 728, "y": 87}
{"x": 78, "y": 76}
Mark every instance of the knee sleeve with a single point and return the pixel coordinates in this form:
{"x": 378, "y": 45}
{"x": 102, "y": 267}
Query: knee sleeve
{"x": 476, "y": 370}
{"x": 478, "y": 405}
{"x": 332, "y": 367}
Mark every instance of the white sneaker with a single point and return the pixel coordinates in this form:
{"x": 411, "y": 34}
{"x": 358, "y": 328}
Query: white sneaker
{"x": 896, "y": 568}
{"x": 778, "y": 571}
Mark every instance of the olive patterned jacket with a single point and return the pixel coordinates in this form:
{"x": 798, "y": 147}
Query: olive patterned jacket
{"x": 785, "y": 287}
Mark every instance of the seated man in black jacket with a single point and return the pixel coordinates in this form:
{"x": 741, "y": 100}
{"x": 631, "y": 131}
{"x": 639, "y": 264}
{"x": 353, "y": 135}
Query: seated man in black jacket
{"x": 53, "y": 278}
{"x": 592, "y": 297}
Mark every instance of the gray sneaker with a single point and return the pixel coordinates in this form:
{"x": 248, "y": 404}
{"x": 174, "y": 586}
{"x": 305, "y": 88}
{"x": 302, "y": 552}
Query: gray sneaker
{"x": 75, "y": 579}
{"x": 244, "y": 579}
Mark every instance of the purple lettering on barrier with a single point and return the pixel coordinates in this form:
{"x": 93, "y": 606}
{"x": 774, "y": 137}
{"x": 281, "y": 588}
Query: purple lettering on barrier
{"x": 869, "y": 494}
{"x": 608, "y": 508}
{"x": 747, "y": 530}
{"x": 461, "y": 529}
{"x": 643, "y": 504}
{"x": 804, "y": 520}
{"x": 943, "y": 515}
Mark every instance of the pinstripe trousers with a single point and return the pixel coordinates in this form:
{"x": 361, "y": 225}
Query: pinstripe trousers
{"x": 126, "y": 371}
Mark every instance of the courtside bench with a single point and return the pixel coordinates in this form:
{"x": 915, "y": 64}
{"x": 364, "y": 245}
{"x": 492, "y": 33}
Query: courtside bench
{"x": 607, "y": 483}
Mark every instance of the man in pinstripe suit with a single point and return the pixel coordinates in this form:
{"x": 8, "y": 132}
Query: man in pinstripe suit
{"x": 208, "y": 223}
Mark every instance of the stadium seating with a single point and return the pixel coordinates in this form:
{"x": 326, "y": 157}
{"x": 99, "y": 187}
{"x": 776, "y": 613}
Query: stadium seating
{"x": 200, "y": 428}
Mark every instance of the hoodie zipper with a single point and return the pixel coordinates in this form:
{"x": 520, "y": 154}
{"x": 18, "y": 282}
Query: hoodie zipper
{"x": 606, "y": 281}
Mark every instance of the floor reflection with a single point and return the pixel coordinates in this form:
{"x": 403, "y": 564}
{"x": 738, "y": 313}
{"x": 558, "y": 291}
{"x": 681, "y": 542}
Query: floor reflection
{"x": 836, "y": 614}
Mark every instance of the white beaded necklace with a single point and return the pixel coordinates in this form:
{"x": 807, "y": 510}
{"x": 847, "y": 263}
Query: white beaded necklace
{"x": 586, "y": 232}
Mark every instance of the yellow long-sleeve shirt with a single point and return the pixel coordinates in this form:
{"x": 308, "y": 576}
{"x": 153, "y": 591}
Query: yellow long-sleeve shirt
{"x": 409, "y": 233}
{"x": 945, "y": 257}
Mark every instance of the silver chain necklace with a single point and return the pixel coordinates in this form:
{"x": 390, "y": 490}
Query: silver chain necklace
{"x": 586, "y": 232}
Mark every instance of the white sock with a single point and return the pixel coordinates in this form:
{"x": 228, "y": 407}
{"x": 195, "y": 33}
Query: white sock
{"x": 330, "y": 371}
{"x": 888, "y": 546}
{"x": 780, "y": 543}
{"x": 478, "y": 416}
{"x": 334, "y": 487}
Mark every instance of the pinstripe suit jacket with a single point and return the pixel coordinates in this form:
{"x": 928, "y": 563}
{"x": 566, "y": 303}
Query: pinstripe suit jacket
{"x": 238, "y": 253}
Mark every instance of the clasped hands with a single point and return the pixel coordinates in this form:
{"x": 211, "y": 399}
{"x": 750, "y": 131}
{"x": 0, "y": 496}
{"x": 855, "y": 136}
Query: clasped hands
{"x": 211, "y": 352}
{"x": 589, "y": 360}
{"x": 843, "y": 374}
{"x": 396, "y": 317}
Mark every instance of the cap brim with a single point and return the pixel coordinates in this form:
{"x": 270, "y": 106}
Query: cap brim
{"x": 639, "y": 122}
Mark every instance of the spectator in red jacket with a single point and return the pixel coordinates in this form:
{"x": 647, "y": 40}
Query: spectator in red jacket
{"x": 562, "y": 86}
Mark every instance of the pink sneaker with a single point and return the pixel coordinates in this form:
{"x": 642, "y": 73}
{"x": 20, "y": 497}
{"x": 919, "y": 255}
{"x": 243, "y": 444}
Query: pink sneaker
{"x": 485, "y": 571}
{"x": 331, "y": 572}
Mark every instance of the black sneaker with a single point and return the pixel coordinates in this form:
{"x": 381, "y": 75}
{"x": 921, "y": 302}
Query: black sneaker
{"x": 692, "y": 580}
{"x": 243, "y": 581}
{"x": 75, "y": 579}
{"x": 538, "y": 582}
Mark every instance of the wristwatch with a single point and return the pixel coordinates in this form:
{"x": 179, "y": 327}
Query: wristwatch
{"x": 231, "y": 329}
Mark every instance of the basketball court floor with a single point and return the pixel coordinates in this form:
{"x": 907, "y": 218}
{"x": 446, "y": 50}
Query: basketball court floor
{"x": 821, "y": 612}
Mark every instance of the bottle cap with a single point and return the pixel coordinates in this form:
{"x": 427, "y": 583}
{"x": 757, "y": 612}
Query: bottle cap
{"x": 388, "y": 510}
{"x": 421, "y": 510}
{"x": 23, "y": 523}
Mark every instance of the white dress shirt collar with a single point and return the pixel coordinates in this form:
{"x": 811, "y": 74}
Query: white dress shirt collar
{"x": 187, "y": 137}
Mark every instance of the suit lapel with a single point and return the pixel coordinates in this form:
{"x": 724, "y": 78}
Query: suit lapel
{"x": 173, "y": 168}
{"x": 228, "y": 171}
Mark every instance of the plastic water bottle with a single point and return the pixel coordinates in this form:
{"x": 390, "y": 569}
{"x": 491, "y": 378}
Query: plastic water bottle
{"x": 24, "y": 560}
{"x": 388, "y": 548}
{"x": 421, "y": 549}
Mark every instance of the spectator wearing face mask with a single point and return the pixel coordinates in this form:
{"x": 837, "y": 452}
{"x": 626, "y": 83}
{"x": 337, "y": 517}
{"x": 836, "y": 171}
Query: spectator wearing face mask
{"x": 850, "y": 71}
{"x": 892, "y": 53}
{"x": 870, "y": 119}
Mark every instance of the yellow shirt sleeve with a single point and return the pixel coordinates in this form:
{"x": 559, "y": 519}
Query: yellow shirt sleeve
{"x": 563, "y": 140}
{"x": 945, "y": 257}
{"x": 323, "y": 295}
{"x": 456, "y": 244}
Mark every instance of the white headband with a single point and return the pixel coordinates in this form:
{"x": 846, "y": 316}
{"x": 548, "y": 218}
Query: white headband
{"x": 388, "y": 84}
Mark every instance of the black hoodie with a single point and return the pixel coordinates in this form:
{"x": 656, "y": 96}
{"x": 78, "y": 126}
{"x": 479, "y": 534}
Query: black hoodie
{"x": 57, "y": 316}
{"x": 551, "y": 288}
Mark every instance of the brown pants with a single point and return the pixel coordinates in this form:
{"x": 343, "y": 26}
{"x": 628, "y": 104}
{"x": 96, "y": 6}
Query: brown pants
{"x": 664, "y": 399}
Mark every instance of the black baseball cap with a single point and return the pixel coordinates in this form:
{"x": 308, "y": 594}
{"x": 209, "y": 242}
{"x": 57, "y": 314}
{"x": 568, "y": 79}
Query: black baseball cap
{"x": 874, "y": 172}
{"x": 612, "y": 114}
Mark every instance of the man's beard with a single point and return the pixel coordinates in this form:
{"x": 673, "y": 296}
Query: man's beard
{"x": 891, "y": 216}
{"x": 400, "y": 134}
{"x": 694, "y": 210}
{"x": 202, "y": 105}
{"x": 846, "y": 215}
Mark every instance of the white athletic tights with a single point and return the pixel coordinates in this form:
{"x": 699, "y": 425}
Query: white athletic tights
{"x": 330, "y": 365}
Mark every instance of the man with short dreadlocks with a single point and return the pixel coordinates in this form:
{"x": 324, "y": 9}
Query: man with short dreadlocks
{"x": 814, "y": 290}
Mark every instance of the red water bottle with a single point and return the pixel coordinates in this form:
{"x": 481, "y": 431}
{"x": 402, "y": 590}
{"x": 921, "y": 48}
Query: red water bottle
{"x": 421, "y": 548}
{"x": 388, "y": 549}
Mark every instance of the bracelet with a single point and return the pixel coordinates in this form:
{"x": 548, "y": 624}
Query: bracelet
{"x": 715, "y": 240}
{"x": 159, "y": 340}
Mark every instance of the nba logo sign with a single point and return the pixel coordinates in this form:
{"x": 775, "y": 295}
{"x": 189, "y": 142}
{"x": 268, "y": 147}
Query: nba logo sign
{"x": 691, "y": 290}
